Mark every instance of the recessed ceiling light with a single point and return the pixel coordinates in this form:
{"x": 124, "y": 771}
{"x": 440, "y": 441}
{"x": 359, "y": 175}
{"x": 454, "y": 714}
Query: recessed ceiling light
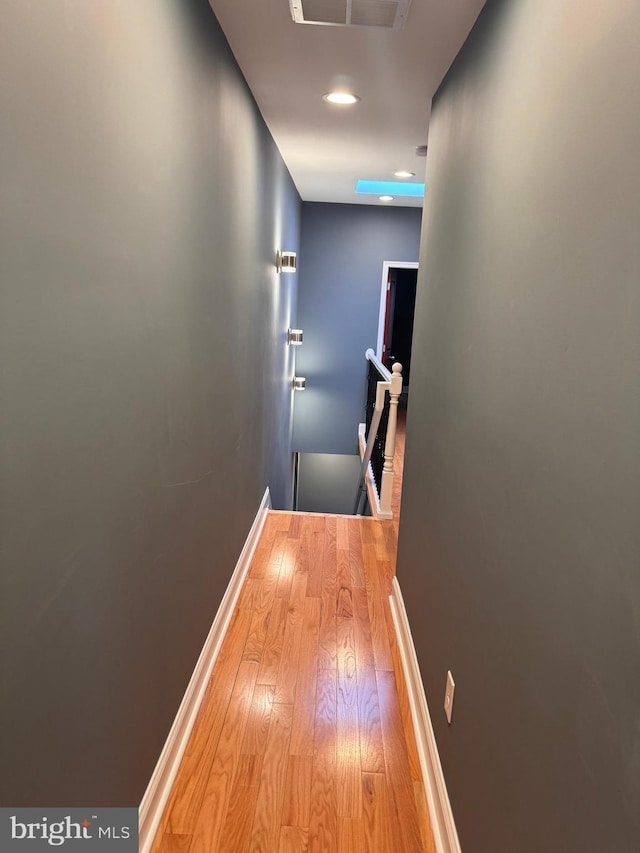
{"x": 342, "y": 98}
{"x": 403, "y": 174}
{"x": 386, "y": 198}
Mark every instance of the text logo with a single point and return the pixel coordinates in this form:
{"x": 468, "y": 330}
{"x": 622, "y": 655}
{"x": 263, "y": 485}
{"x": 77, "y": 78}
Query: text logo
{"x": 73, "y": 829}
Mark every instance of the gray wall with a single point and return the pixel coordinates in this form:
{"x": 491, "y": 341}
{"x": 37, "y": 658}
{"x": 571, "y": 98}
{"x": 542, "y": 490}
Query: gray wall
{"x": 342, "y": 251}
{"x": 327, "y": 482}
{"x": 145, "y": 380}
{"x": 520, "y": 535}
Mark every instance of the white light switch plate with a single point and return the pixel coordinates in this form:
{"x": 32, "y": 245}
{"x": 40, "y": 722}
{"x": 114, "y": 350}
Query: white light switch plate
{"x": 448, "y": 696}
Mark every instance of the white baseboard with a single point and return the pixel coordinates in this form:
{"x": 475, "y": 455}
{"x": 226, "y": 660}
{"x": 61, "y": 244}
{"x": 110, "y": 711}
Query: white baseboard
{"x": 443, "y": 825}
{"x": 157, "y": 793}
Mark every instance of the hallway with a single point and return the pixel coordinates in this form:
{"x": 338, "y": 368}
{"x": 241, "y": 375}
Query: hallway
{"x": 304, "y": 739}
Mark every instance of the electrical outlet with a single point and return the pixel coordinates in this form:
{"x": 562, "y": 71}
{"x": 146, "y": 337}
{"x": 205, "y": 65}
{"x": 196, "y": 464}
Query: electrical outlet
{"x": 448, "y": 696}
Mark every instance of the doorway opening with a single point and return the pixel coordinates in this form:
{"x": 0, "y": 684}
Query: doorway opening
{"x": 395, "y": 323}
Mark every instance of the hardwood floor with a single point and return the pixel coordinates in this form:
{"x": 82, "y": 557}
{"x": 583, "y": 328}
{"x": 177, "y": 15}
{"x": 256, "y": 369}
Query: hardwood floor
{"x": 304, "y": 739}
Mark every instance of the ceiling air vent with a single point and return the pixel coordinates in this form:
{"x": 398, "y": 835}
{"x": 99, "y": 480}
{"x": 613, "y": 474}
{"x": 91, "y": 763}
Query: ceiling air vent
{"x": 388, "y": 14}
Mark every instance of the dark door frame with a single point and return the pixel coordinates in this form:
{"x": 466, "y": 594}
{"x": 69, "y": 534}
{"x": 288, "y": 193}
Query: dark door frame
{"x": 386, "y": 267}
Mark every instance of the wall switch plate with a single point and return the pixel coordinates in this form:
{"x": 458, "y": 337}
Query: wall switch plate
{"x": 448, "y": 696}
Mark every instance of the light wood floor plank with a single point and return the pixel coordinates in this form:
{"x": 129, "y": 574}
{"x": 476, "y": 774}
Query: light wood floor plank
{"x": 362, "y": 627}
{"x": 263, "y": 549}
{"x": 323, "y": 820}
{"x": 344, "y": 605}
{"x": 255, "y": 735}
{"x": 294, "y": 839}
{"x": 356, "y": 563}
{"x": 366, "y": 531}
{"x": 376, "y": 818}
{"x": 264, "y": 596}
{"x": 342, "y": 532}
{"x": 377, "y": 603}
{"x": 296, "y": 805}
{"x": 236, "y": 830}
{"x": 369, "y": 725}
{"x": 304, "y": 708}
{"x": 248, "y": 593}
{"x": 287, "y": 566}
{"x": 281, "y": 519}
{"x": 325, "y": 718}
{"x": 390, "y": 529}
{"x": 259, "y": 626}
{"x": 265, "y": 833}
{"x": 250, "y": 770}
{"x": 280, "y": 543}
{"x": 295, "y": 525}
{"x": 304, "y": 551}
{"x": 173, "y": 844}
{"x": 329, "y": 561}
{"x": 348, "y": 777}
{"x": 288, "y": 669}
{"x": 207, "y": 832}
{"x": 423, "y": 816}
{"x": 272, "y": 650}
{"x": 404, "y": 815}
{"x": 327, "y": 640}
{"x": 323, "y": 816}
{"x": 347, "y": 681}
{"x": 191, "y": 782}
{"x": 328, "y": 593}
{"x": 379, "y": 541}
{"x": 316, "y": 557}
{"x": 350, "y": 835}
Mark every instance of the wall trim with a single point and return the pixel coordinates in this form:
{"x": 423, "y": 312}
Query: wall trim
{"x": 445, "y": 835}
{"x": 157, "y": 793}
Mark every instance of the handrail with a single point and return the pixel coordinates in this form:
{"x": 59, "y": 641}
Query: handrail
{"x": 392, "y": 382}
{"x": 379, "y": 366}
{"x": 381, "y": 389}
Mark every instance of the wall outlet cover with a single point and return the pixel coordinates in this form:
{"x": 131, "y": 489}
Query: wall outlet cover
{"x": 448, "y": 696}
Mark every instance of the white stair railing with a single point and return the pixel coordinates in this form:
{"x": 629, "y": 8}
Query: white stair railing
{"x": 380, "y": 495}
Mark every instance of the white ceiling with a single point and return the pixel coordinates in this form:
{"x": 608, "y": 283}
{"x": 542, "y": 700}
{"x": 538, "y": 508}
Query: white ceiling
{"x": 289, "y": 67}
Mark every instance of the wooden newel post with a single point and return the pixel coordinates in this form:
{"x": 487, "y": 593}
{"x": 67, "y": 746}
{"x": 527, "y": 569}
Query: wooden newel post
{"x": 386, "y": 488}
